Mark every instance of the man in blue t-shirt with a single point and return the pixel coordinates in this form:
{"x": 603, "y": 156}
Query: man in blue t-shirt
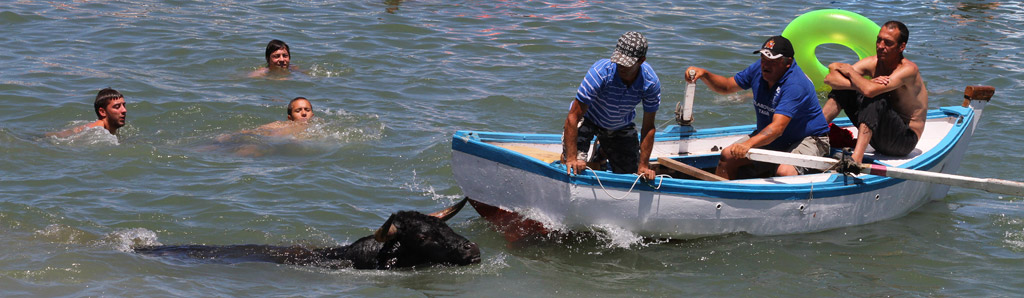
{"x": 789, "y": 116}
{"x": 605, "y": 106}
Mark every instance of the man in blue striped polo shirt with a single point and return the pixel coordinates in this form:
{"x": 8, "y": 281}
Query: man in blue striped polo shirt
{"x": 605, "y": 106}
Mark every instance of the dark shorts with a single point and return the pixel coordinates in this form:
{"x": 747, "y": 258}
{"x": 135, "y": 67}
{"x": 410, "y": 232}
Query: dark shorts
{"x": 890, "y": 134}
{"x": 621, "y": 147}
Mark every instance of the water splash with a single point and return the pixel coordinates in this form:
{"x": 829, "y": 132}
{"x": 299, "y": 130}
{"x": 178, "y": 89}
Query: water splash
{"x": 125, "y": 240}
{"x": 616, "y": 237}
{"x": 329, "y": 70}
{"x": 89, "y": 137}
{"x": 341, "y": 126}
{"x": 418, "y": 185}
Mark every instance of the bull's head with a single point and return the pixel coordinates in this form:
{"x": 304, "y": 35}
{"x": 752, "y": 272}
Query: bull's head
{"x": 411, "y": 238}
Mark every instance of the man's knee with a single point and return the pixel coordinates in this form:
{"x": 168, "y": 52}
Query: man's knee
{"x": 843, "y": 98}
{"x": 728, "y": 156}
{"x": 786, "y": 170}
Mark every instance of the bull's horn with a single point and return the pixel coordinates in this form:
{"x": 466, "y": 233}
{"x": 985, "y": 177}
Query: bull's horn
{"x": 381, "y": 236}
{"x": 450, "y": 212}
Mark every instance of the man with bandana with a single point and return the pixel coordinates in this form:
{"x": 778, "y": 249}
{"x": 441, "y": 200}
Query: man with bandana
{"x": 605, "y": 107}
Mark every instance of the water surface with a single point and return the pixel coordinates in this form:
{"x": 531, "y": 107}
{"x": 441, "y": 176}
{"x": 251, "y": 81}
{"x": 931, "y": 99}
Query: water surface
{"x": 391, "y": 81}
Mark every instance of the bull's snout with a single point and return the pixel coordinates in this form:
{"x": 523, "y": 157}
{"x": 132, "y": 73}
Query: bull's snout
{"x": 471, "y": 253}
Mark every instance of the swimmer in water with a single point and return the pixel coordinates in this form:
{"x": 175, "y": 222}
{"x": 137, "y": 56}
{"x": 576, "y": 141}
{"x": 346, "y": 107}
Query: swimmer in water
{"x": 299, "y": 112}
{"x": 279, "y": 57}
{"x": 111, "y": 110}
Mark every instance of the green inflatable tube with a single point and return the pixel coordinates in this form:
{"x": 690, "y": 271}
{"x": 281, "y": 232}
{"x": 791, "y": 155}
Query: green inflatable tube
{"x": 815, "y": 28}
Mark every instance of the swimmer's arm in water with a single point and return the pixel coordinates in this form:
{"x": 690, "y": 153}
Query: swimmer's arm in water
{"x": 262, "y": 71}
{"x": 273, "y": 129}
{"x": 74, "y": 130}
{"x": 65, "y": 133}
{"x": 227, "y": 136}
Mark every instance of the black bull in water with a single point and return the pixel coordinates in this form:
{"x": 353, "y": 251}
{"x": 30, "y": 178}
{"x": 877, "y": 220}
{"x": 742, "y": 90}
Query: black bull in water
{"x": 407, "y": 239}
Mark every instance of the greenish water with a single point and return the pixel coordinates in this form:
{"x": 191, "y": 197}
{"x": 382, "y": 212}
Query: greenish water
{"x": 390, "y": 82}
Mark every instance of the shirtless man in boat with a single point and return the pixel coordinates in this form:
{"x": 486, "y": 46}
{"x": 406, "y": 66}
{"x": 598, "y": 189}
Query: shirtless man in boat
{"x": 605, "y": 106}
{"x": 889, "y": 110}
{"x": 789, "y": 116}
{"x": 111, "y": 110}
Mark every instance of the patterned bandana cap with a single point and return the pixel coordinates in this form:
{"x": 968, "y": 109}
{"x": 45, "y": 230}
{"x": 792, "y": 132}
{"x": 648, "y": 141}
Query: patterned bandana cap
{"x": 631, "y": 47}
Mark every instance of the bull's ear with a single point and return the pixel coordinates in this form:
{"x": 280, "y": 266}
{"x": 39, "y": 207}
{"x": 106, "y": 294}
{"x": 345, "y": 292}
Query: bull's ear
{"x": 450, "y": 212}
{"x": 387, "y": 231}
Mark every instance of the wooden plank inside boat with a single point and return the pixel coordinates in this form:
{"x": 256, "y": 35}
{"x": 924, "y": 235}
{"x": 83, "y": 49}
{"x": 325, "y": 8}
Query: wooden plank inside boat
{"x": 688, "y": 169}
{"x": 542, "y": 155}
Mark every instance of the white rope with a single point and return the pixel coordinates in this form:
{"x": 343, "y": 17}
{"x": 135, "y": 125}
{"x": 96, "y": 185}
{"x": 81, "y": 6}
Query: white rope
{"x": 630, "y": 188}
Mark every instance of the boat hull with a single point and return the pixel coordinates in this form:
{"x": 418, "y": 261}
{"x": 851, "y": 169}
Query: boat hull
{"x": 559, "y": 204}
{"x": 680, "y": 208}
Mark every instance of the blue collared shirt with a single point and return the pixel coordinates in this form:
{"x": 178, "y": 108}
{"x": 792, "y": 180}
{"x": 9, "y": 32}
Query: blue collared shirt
{"x": 793, "y": 95}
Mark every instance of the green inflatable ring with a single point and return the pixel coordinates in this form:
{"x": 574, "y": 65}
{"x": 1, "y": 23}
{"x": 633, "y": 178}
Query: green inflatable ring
{"x": 837, "y": 26}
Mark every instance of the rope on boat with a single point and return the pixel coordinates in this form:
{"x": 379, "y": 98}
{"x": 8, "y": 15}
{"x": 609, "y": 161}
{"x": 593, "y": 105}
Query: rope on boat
{"x": 630, "y": 188}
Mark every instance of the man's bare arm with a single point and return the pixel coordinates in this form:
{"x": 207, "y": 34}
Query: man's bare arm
{"x": 766, "y": 136}
{"x": 569, "y": 133}
{"x": 647, "y": 132}
{"x": 74, "y": 130}
{"x": 839, "y": 81}
{"x": 717, "y": 83}
{"x": 901, "y": 76}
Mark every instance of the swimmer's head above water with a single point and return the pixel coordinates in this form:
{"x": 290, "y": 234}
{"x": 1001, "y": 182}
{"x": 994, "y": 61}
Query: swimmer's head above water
{"x": 111, "y": 114}
{"x": 278, "y": 55}
{"x": 111, "y": 109}
{"x": 300, "y": 109}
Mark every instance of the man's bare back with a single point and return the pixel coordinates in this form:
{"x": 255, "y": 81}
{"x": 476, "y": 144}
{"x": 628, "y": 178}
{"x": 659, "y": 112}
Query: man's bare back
{"x": 281, "y": 128}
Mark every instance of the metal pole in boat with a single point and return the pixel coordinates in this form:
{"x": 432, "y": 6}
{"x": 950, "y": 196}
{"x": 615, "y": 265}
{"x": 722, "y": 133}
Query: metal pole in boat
{"x": 684, "y": 114}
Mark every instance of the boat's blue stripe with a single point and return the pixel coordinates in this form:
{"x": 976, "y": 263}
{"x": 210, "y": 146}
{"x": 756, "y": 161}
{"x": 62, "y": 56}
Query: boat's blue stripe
{"x": 473, "y": 143}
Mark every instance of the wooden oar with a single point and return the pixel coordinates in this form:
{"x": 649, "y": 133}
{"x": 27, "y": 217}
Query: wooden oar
{"x": 823, "y": 163}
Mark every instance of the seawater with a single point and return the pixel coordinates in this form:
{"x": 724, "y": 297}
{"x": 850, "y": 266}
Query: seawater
{"x": 391, "y": 81}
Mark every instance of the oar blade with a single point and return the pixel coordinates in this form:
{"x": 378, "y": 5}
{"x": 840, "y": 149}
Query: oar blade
{"x": 1005, "y": 187}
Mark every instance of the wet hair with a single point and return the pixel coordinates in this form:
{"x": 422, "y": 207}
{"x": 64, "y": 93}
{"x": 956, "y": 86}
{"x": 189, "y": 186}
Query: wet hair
{"x": 288, "y": 110}
{"x": 103, "y": 98}
{"x": 904, "y": 32}
{"x": 275, "y": 45}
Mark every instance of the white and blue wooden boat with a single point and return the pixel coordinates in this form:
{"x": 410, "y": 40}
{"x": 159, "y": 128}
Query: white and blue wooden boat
{"x": 521, "y": 174}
